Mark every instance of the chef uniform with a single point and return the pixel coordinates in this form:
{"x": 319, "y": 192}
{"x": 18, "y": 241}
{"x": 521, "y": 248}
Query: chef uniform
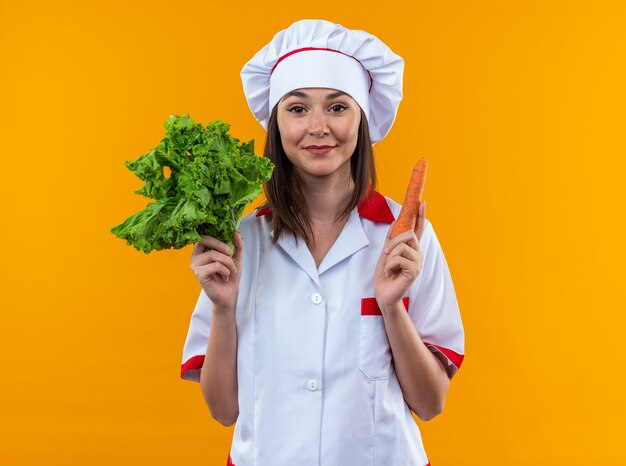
{"x": 317, "y": 385}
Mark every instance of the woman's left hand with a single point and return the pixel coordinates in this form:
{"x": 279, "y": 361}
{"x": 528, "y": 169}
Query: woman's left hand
{"x": 400, "y": 263}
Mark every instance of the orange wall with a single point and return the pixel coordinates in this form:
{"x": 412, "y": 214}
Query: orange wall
{"x": 519, "y": 107}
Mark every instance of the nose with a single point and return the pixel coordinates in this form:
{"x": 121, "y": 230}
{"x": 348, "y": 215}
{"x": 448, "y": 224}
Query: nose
{"x": 318, "y": 126}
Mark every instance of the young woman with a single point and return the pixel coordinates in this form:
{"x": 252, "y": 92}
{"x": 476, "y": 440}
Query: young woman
{"x": 322, "y": 335}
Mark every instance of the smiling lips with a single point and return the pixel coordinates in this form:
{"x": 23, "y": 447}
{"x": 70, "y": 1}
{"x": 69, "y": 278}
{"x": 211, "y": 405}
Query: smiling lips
{"x": 319, "y": 150}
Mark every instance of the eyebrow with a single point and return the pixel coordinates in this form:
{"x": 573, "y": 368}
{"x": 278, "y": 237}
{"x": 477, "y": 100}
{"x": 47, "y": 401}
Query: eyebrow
{"x": 334, "y": 95}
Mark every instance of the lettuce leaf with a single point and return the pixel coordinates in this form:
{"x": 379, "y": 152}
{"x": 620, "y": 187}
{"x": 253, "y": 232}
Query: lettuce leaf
{"x": 212, "y": 178}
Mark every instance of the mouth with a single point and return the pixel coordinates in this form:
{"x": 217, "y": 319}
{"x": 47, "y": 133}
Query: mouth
{"x": 319, "y": 150}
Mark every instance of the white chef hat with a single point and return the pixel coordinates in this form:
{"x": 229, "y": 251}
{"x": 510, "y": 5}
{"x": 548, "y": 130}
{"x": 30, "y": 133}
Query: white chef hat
{"x": 318, "y": 53}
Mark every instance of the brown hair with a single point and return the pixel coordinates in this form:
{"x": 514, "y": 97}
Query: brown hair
{"x": 284, "y": 192}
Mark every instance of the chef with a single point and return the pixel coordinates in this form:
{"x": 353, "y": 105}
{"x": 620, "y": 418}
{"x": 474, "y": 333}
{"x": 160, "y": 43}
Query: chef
{"x": 320, "y": 335}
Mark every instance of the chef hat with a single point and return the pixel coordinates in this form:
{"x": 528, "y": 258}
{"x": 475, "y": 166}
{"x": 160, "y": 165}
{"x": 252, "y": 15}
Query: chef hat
{"x": 318, "y": 53}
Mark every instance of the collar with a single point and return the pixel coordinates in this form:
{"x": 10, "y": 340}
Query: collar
{"x": 374, "y": 207}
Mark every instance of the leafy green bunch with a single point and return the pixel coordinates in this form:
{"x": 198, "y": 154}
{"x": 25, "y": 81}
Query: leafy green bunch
{"x": 212, "y": 178}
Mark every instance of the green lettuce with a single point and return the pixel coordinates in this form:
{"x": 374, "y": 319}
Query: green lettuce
{"x": 212, "y": 178}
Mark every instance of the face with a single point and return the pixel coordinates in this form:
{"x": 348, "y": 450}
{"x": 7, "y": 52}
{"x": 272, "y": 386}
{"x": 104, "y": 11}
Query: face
{"x": 319, "y": 130}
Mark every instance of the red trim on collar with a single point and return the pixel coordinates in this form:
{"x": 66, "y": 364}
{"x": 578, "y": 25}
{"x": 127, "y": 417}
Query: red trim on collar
{"x": 374, "y": 207}
{"x": 264, "y": 211}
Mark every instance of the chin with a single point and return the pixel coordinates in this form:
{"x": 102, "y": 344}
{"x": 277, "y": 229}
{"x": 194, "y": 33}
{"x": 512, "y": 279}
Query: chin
{"x": 323, "y": 170}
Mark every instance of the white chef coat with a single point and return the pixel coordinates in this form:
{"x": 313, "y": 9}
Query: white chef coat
{"x": 315, "y": 373}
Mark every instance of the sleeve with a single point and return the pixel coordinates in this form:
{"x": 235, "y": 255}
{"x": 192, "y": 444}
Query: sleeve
{"x": 433, "y": 306}
{"x": 197, "y": 339}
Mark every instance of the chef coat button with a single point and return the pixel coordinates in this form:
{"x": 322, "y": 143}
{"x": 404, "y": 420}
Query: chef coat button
{"x": 316, "y": 298}
{"x": 312, "y": 384}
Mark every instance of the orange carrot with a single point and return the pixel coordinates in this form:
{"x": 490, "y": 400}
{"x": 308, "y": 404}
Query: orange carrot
{"x": 412, "y": 200}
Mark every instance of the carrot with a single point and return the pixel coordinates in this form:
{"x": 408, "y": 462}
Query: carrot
{"x": 412, "y": 200}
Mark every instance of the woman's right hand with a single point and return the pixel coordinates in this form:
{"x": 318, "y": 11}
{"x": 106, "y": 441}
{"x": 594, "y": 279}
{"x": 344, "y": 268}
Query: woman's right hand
{"x": 216, "y": 271}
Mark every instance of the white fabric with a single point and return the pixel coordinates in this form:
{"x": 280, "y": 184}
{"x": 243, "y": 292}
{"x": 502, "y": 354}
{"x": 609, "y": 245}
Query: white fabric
{"x": 321, "y": 68}
{"x": 316, "y": 379}
{"x": 383, "y": 66}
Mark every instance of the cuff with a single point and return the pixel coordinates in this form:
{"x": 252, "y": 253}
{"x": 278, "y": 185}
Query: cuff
{"x": 190, "y": 369}
{"x": 451, "y": 360}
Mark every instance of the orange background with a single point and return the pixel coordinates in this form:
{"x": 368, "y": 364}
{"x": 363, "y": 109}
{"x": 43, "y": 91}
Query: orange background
{"x": 519, "y": 107}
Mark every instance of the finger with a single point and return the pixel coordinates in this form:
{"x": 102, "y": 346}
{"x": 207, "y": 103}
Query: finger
{"x": 406, "y": 251}
{"x": 402, "y": 265}
{"x": 407, "y": 237}
{"x": 380, "y": 264}
{"x": 388, "y": 237}
{"x": 213, "y": 269}
{"x": 214, "y": 243}
{"x": 215, "y": 256}
{"x": 238, "y": 248}
{"x": 420, "y": 225}
{"x": 198, "y": 248}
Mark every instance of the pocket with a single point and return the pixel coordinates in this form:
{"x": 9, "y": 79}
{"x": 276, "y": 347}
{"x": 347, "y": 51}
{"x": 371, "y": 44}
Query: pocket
{"x": 374, "y": 349}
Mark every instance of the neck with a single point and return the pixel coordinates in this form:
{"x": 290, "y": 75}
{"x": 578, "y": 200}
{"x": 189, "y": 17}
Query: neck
{"x": 327, "y": 197}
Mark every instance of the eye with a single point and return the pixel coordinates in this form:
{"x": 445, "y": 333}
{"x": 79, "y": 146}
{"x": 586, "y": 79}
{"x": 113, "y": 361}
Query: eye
{"x": 296, "y": 109}
{"x": 338, "y": 108}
